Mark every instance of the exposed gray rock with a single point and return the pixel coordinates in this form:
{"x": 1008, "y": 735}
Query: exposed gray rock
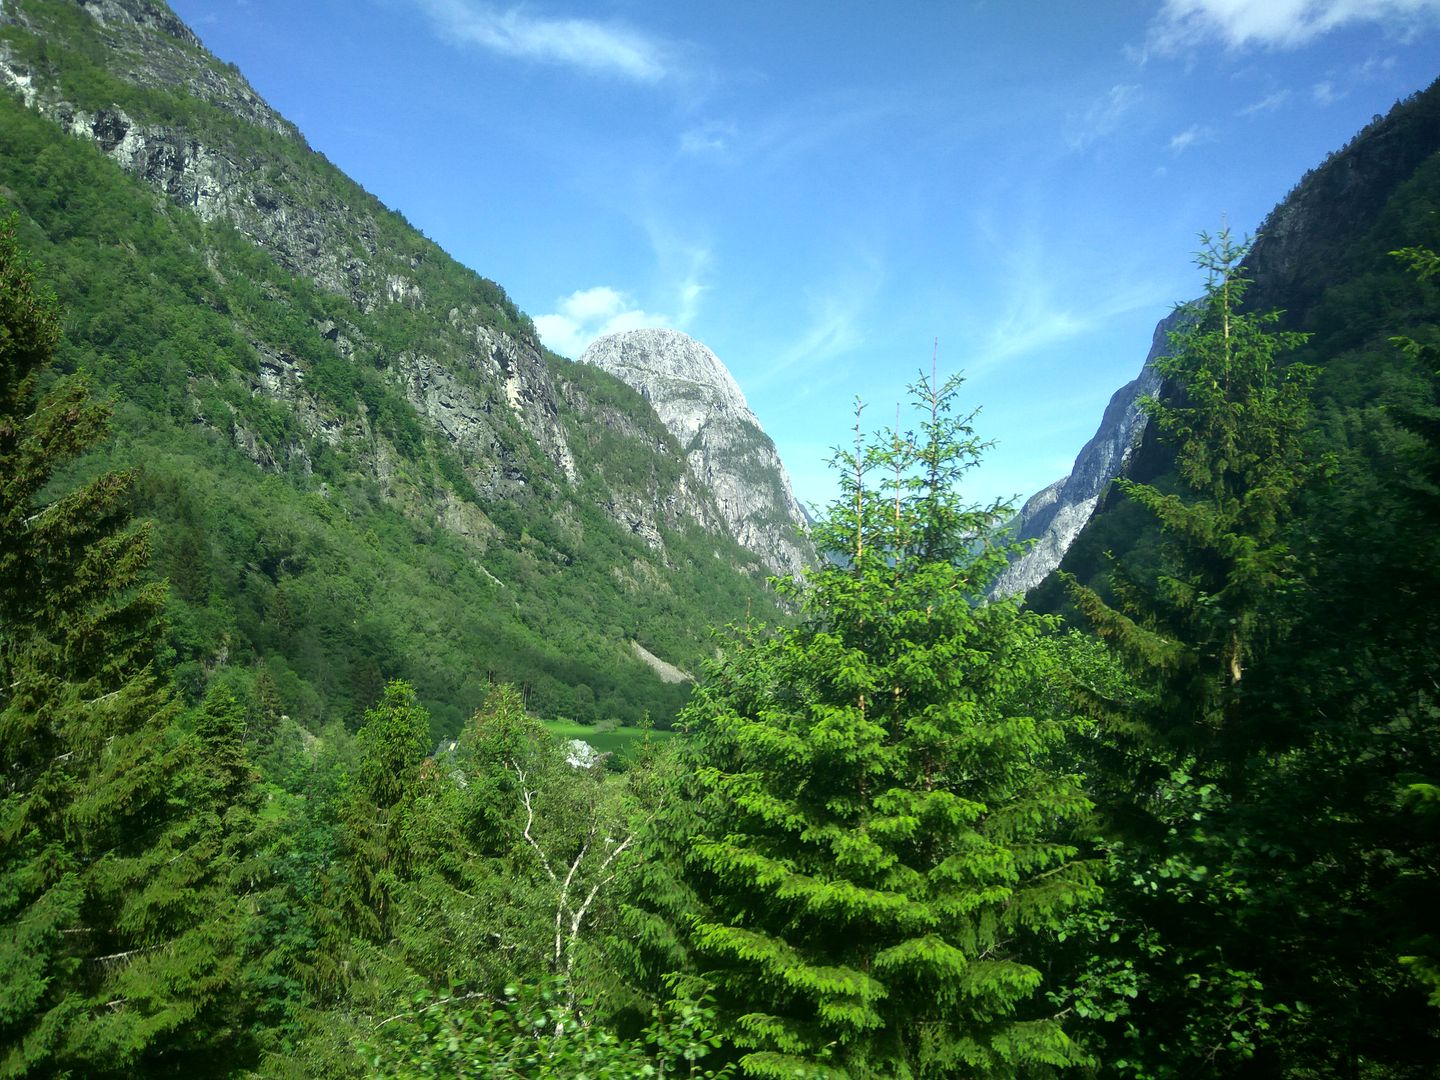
{"x": 700, "y": 403}
{"x": 480, "y": 381}
{"x": 1054, "y": 516}
{"x": 288, "y": 208}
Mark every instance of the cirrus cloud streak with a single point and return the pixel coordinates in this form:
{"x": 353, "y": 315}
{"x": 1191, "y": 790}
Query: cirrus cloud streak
{"x": 600, "y": 48}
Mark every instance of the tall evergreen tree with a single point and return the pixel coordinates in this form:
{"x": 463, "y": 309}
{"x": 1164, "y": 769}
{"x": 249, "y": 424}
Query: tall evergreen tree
{"x": 393, "y": 742}
{"x": 109, "y": 952}
{"x": 1236, "y": 421}
{"x": 879, "y": 835}
{"x": 1179, "y": 734}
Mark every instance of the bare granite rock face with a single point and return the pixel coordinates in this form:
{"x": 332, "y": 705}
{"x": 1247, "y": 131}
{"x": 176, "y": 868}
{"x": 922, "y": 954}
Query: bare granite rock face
{"x": 700, "y": 403}
{"x": 470, "y": 364}
{"x": 1054, "y": 516}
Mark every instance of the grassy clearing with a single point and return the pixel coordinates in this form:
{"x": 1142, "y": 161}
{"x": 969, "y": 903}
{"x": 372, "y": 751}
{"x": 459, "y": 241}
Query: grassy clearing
{"x": 608, "y": 739}
{"x": 604, "y": 738}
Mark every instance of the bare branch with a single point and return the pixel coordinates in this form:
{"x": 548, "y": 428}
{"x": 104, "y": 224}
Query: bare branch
{"x": 525, "y": 795}
{"x": 432, "y": 1005}
{"x": 579, "y": 915}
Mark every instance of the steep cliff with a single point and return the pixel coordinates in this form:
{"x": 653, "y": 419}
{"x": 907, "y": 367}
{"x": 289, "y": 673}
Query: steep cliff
{"x": 274, "y": 333}
{"x": 1322, "y": 258}
{"x": 700, "y": 403}
{"x": 1051, "y": 519}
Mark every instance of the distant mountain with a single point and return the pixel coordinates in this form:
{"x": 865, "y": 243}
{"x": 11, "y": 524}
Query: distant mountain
{"x": 700, "y": 404}
{"x": 1051, "y": 518}
{"x": 1310, "y": 242}
{"x": 362, "y": 462}
{"x": 1322, "y": 257}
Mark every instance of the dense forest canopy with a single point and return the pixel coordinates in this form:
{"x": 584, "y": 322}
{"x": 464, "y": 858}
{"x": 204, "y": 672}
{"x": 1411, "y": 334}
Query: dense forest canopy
{"x": 910, "y": 833}
{"x": 287, "y": 779}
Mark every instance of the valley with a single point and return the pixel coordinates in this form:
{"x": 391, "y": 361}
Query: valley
{"x": 383, "y": 693}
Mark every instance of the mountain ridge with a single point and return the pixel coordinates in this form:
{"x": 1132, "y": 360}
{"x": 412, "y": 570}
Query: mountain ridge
{"x": 1330, "y": 237}
{"x": 699, "y": 401}
{"x": 1297, "y": 248}
{"x": 308, "y": 334}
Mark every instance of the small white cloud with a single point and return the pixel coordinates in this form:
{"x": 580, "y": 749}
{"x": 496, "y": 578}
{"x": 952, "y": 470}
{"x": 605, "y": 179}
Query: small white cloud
{"x": 1280, "y": 24}
{"x": 712, "y": 138}
{"x": 1325, "y": 93}
{"x": 1104, "y": 116}
{"x": 598, "y": 47}
{"x": 1268, "y": 103}
{"x": 1194, "y": 135}
{"x": 588, "y": 314}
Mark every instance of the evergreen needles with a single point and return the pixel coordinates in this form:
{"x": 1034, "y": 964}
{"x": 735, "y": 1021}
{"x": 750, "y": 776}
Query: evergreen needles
{"x": 880, "y": 833}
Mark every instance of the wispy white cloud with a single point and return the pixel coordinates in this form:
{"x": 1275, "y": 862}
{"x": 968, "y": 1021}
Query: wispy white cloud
{"x": 587, "y": 314}
{"x": 1325, "y": 93}
{"x": 714, "y": 137}
{"x": 1036, "y": 319}
{"x": 1268, "y": 103}
{"x": 1104, "y": 116}
{"x": 831, "y": 330}
{"x": 602, "y": 48}
{"x": 1281, "y": 24}
{"x": 835, "y": 314}
{"x": 1035, "y": 308}
{"x": 799, "y": 130}
{"x": 1194, "y": 135}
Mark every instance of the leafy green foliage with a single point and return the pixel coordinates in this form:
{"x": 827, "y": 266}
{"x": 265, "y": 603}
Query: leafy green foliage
{"x": 873, "y": 856}
{"x": 1243, "y": 772}
{"x": 537, "y": 1034}
{"x": 118, "y": 934}
{"x": 309, "y": 565}
{"x": 879, "y": 836}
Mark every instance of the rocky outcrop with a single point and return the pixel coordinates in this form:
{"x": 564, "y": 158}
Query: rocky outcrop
{"x": 470, "y": 364}
{"x": 305, "y": 215}
{"x": 1313, "y": 230}
{"x": 1301, "y": 247}
{"x": 1052, "y": 518}
{"x": 700, "y": 403}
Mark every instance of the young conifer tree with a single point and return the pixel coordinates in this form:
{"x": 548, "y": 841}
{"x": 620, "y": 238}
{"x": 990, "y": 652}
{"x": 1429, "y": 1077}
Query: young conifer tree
{"x": 115, "y": 937}
{"x": 879, "y": 836}
{"x": 1236, "y": 421}
{"x": 1178, "y": 754}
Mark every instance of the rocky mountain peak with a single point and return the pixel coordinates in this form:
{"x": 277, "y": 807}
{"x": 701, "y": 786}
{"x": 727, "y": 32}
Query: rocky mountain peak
{"x": 1052, "y": 518}
{"x": 699, "y": 402}
{"x": 670, "y": 362}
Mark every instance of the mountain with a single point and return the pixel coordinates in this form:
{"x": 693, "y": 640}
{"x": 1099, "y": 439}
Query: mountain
{"x": 362, "y": 461}
{"x": 1321, "y": 235}
{"x": 1323, "y": 257}
{"x": 700, "y": 404}
{"x": 1052, "y": 517}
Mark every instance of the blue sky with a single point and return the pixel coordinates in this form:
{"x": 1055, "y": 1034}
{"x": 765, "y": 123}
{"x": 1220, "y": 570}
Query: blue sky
{"x": 821, "y": 190}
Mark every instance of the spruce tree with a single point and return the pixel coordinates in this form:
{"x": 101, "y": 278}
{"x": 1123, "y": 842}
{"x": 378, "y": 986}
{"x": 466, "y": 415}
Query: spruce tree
{"x": 113, "y": 932}
{"x": 393, "y": 742}
{"x": 1236, "y": 420}
{"x": 879, "y": 836}
{"x": 1173, "y": 768}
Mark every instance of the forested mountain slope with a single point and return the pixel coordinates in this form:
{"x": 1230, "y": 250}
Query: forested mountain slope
{"x": 1322, "y": 257}
{"x": 1188, "y": 833}
{"x": 363, "y": 462}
